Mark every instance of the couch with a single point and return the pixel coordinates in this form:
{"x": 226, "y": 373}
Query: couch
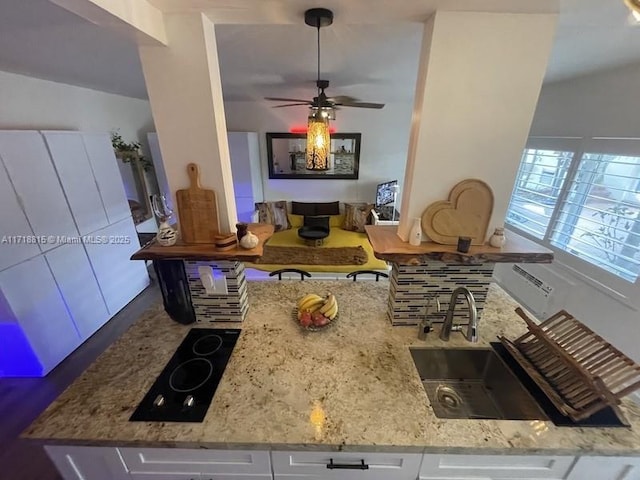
{"x": 287, "y": 236}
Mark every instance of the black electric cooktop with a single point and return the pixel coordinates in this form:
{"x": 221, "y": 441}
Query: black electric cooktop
{"x": 185, "y": 388}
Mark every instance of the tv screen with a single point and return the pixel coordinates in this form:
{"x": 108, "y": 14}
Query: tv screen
{"x": 384, "y": 193}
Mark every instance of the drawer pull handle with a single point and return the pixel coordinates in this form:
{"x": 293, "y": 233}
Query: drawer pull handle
{"x": 346, "y": 466}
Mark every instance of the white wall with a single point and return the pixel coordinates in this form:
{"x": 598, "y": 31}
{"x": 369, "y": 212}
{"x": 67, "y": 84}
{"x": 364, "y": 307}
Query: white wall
{"x": 599, "y": 105}
{"x": 31, "y": 103}
{"x": 383, "y": 151}
{"x": 479, "y": 79}
{"x": 605, "y": 104}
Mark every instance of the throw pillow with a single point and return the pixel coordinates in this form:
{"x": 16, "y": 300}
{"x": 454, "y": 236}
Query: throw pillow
{"x": 336, "y": 221}
{"x": 274, "y": 213}
{"x": 295, "y": 220}
{"x": 315, "y": 208}
{"x": 356, "y": 216}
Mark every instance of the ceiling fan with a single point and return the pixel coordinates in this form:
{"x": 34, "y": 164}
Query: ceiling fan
{"x": 321, "y": 17}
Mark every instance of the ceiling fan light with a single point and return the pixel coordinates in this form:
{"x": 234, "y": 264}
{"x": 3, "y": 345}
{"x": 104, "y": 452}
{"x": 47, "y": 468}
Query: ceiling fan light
{"x": 318, "y": 141}
{"x": 634, "y": 6}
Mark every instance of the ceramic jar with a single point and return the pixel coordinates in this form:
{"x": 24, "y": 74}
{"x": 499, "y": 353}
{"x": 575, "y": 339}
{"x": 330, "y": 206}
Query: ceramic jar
{"x": 249, "y": 241}
{"x": 415, "y": 235}
{"x": 166, "y": 235}
{"x": 242, "y": 230}
{"x": 498, "y": 239}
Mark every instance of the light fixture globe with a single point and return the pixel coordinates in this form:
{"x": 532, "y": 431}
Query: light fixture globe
{"x": 634, "y": 6}
{"x": 318, "y": 141}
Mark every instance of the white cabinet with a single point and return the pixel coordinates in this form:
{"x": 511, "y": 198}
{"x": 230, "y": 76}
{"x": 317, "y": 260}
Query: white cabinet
{"x": 490, "y": 467}
{"x": 149, "y": 463}
{"x": 105, "y": 170}
{"x": 77, "y": 283}
{"x": 13, "y": 226}
{"x": 56, "y": 287}
{"x": 74, "y": 170}
{"x": 87, "y": 463}
{"x": 245, "y": 169}
{"x": 120, "y": 278}
{"x": 380, "y": 466}
{"x": 606, "y": 468}
{"x": 26, "y": 158}
{"x": 30, "y": 300}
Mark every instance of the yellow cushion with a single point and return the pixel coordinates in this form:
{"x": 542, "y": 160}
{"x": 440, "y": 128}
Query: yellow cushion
{"x": 336, "y": 220}
{"x": 297, "y": 221}
{"x": 337, "y": 238}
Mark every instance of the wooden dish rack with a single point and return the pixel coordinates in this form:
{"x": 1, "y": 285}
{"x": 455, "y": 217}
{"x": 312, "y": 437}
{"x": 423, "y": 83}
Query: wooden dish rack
{"x": 578, "y": 370}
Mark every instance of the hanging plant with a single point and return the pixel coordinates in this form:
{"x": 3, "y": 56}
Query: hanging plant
{"x": 127, "y": 152}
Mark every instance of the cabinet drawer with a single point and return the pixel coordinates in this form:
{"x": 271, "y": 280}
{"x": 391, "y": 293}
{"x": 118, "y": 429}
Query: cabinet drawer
{"x": 83, "y": 463}
{"x": 176, "y": 460}
{"x": 382, "y": 466}
{"x": 606, "y": 468}
{"x": 494, "y": 466}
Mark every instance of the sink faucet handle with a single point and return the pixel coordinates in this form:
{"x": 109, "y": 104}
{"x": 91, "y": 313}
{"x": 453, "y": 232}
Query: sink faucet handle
{"x": 433, "y": 305}
{"x": 431, "y": 309}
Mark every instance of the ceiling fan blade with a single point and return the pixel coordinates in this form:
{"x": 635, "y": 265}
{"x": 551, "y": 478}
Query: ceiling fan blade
{"x": 342, "y": 99}
{"x": 290, "y": 105}
{"x": 361, "y": 104}
{"x": 278, "y": 99}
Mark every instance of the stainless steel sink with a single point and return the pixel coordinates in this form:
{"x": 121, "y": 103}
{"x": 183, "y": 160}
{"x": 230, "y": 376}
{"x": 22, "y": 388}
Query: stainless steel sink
{"x": 473, "y": 383}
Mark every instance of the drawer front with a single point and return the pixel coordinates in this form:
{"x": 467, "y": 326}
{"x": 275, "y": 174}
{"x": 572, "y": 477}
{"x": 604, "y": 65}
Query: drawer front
{"x": 193, "y": 476}
{"x": 606, "y": 468}
{"x": 494, "y": 466}
{"x": 83, "y": 463}
{"x": 381, "y": 466}
{"x": 177, "y": 460}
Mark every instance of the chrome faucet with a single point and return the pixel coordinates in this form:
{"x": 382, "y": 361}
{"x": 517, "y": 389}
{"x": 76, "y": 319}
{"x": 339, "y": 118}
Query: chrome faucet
{"x": 472, "y": 327}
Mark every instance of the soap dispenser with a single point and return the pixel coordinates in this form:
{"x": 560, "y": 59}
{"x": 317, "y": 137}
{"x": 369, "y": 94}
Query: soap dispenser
{"x": 432, "y": 308}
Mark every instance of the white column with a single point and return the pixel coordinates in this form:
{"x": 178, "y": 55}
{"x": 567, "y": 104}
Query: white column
{"x": 185, "y": 91}
{"x": 478, "y": 84}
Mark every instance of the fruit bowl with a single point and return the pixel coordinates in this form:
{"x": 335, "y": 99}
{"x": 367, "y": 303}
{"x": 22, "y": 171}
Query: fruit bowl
{"x": 314, "y": 312}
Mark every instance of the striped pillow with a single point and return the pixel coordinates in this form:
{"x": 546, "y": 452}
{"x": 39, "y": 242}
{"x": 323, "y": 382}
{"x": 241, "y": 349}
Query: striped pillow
{"x": 274, "y": 213}
{"x": 356, "y": 216}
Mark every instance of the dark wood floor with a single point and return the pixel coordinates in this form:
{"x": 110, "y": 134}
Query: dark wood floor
{"x": 23, "y": 399}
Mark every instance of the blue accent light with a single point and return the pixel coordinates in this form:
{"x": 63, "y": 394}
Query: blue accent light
{"x": 16, "y": 356}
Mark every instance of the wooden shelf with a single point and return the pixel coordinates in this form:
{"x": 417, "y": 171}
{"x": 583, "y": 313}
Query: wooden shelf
{"x": 389, "y": 247}
{"x": 205, "y": 251}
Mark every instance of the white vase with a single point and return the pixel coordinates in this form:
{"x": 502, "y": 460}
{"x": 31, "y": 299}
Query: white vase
{"x": 498, "y": 239}
{"x": 166, "y": 235}
{"x": 415, "y": 235}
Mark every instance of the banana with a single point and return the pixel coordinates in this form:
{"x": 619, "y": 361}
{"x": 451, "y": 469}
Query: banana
{"x": 309, "y": 307}
{"x": 328, "y": 304}
{"x": 331, "y": 314}
{"x": 308, "y": 297}
{"x": 330, "y": 307}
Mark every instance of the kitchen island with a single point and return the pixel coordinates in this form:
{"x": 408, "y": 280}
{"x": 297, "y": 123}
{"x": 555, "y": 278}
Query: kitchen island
{"x": 352, "y": 387}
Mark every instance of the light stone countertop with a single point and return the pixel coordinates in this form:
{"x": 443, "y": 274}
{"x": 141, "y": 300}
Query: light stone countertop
{"x": 351, "y": 387}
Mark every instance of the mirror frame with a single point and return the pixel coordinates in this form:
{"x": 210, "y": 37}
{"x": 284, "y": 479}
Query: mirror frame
{"x": 310, "y": 176}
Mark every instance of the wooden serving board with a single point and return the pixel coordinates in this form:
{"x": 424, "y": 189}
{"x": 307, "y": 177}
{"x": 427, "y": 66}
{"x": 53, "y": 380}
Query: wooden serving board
{"x": 465, "y": 214}
{"x": 197, "y": 210}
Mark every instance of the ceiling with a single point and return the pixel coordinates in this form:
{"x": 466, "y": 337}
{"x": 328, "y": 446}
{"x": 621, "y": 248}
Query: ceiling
{"x": 370, "y": 52}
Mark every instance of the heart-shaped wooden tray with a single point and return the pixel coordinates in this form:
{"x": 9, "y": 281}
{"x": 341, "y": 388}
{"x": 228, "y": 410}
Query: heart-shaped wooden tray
{"x": 465, "y": 214}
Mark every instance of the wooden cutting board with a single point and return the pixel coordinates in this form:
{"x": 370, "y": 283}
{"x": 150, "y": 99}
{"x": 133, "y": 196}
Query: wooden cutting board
{"x": 466, "y": 214}
{"x": 197, "y": 210}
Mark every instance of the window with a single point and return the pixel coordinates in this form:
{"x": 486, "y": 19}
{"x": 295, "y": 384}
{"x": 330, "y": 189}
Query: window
{"x": 540, "y": 178}
{"x": 584, "y": 201}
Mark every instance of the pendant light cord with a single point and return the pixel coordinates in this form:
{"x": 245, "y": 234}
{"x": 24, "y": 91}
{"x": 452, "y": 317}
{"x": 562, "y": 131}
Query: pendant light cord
{"x": 318, "y": 78}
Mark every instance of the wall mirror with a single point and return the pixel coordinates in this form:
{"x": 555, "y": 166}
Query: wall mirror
{"x": 287, "y": 157}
